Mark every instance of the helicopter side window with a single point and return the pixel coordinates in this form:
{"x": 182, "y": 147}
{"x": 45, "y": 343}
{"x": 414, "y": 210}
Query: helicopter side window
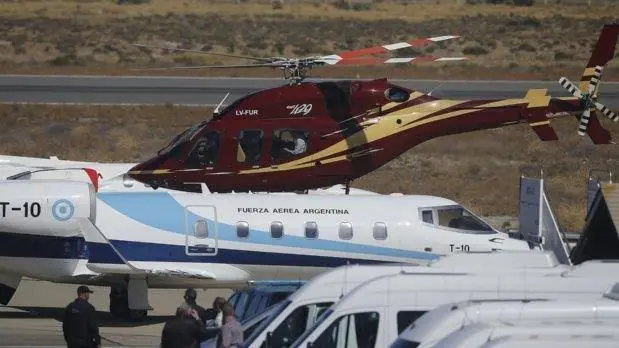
{"x": 250, "y": 146}
{"x": 289, "y": 143}
{"x": 397, "y": 95}
{"x": 206, "y": 151}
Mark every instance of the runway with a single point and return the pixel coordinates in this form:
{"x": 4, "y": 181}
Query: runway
{"x": 33, "y": 317}
{"x": 208, "y": 91}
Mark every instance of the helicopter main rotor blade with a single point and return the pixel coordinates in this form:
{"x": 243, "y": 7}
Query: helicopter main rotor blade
{"x": 265, "y": 65}
{"x": 203, "y": 52}
{"x": 394, "y": 46}
{"x": 371, "y": 61}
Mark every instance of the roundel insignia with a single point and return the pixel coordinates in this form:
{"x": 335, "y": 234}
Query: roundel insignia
{"x": 62, "y": 210}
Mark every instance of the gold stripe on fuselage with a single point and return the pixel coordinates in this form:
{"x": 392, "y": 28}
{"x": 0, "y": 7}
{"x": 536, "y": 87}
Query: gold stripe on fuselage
{"x": 387, "y": 126}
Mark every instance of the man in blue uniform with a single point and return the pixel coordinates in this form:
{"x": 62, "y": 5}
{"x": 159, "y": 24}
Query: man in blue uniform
{"x": 79, "y": 324}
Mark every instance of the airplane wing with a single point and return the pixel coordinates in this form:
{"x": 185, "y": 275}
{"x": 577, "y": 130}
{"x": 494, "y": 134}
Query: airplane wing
{"x": 107, "y": 259}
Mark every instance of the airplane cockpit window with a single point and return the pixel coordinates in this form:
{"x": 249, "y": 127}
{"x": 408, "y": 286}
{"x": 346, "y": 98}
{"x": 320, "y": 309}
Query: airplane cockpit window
{"x": 289, "y": 143}
{"x": 457, "y": 217}
{"x": 396, "y": 94}
{"x": 426, "y": 216}
{"x": 206, "y": 151}
{"x": 250, "y": 146}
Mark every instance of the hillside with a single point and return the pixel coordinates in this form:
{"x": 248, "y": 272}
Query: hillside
{"x": 94, "y": 36}
{"x": 478, "y": 169}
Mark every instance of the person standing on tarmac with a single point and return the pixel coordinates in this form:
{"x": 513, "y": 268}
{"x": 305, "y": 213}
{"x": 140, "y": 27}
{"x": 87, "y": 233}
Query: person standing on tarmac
{"x": 185, "y": 330}
{"x": 214, "y": 315}
{"x": 190, "y": 301}
{"x": 231, "y": 331}
{"x": 79, "y": 325}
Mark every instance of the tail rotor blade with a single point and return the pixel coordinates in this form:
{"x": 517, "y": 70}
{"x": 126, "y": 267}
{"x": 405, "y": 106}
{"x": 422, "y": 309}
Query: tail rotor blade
{"x": 595, "y": 79}
{"x": 584, "y": 122}
{"x": 606, "y": 111}
{"x": 567, "y": 84}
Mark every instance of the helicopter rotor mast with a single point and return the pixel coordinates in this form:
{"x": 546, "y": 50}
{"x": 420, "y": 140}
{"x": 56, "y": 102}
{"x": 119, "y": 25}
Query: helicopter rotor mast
{"x": 298, "y": 69}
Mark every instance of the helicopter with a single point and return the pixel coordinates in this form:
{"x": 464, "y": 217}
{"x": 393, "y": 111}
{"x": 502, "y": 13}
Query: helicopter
{"x": 307, "y": 135}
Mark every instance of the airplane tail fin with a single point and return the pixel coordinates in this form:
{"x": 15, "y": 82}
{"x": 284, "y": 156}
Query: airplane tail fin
{"x": 588, "y": 88}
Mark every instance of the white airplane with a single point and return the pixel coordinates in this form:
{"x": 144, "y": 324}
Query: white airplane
{"x": 66, "y": 225}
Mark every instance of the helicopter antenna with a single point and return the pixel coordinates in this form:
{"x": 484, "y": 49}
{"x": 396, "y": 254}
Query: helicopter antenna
{"x": 216, "y": 111}
{"x": 297, "y": 69}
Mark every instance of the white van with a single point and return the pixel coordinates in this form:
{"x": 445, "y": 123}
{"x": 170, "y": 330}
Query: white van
{"x": 443, "y": 320}
{"x": 377, "y": 311}
{"x": 480, "y": 334}
{"x": 297, "y": 313}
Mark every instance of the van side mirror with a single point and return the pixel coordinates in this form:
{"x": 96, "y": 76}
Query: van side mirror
{"x": 268, "y": 340}
{"x": 310, "y": 344}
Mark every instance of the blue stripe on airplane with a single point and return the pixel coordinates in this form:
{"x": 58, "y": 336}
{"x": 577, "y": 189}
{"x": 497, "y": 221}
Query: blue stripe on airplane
{"x": 160, "y": 210}
{"x": 176, "y": 253}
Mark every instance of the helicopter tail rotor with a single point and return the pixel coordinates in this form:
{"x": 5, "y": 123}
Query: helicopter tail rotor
{"x": 587, "y": 91}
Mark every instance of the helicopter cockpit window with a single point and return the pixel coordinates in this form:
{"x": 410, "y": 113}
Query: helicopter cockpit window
{"x": 457, "y": 217}
{"x": 396, "y": 94}
{"x": 250, "y": 146}
{"x": 175, "y": 144}
{"x": 206, "y": 151}
{"x": 289, "y": 143}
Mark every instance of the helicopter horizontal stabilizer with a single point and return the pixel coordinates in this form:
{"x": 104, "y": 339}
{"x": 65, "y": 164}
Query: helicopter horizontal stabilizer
{"x": 536, "y": 114}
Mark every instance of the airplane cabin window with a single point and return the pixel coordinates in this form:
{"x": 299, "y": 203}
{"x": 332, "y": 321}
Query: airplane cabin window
{"x": 250, "y": 146}
{"x": 345, "y": 230}
{"x": 201, "y": 229}
{"x": 289, "y": 143}
{"x": 311, "y": 230}
{"x": 426, "y": 216}
{"x": 459, "y": 218}
{"x": 277, "y": 229}
{"x": 206, "y": 151}
{"x": 405, "y": 318}
{"x": 380, "y": 231}
{"x": 353, "y": 330}
{"x": 242, "y": 229}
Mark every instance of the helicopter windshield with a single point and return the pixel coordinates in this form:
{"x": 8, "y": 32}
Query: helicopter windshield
{"x": 182, "y": 137}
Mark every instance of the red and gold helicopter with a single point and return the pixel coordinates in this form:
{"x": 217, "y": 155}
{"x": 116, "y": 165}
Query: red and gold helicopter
{"x": 308, "y": 135}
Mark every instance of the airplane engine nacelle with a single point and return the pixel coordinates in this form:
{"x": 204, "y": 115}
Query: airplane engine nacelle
{"x": 45, "y": 207}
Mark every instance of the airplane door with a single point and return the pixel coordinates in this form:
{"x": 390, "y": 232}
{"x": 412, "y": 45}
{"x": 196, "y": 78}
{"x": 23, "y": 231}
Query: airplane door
{"x": 201, "y": 233}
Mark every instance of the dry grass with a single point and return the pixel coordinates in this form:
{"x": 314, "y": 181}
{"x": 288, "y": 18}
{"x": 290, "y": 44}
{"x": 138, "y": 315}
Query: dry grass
{"x": 478, "y": 169}
{"x": 419, "y": 11}
{"x": 95, "y": 36}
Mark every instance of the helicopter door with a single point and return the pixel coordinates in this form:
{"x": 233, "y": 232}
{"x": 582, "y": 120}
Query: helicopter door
{"x": 201, "y": 233}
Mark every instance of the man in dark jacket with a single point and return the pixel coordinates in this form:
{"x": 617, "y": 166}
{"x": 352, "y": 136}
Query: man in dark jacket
{"x": 79, "y": 324}
{"x": 190, "y": 300}
{"x": 184, "y": 331}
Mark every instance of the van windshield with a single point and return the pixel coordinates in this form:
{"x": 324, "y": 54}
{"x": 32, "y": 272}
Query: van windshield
{"x": 307, "y": 332}
{"x": 277, "y": 310}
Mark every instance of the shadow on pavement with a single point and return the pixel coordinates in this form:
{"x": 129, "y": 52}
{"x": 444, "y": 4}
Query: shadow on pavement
{"x": 105, "y": 318}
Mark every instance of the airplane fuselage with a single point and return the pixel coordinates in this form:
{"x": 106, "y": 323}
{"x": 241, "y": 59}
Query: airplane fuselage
{"x": 227, "y": 238}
